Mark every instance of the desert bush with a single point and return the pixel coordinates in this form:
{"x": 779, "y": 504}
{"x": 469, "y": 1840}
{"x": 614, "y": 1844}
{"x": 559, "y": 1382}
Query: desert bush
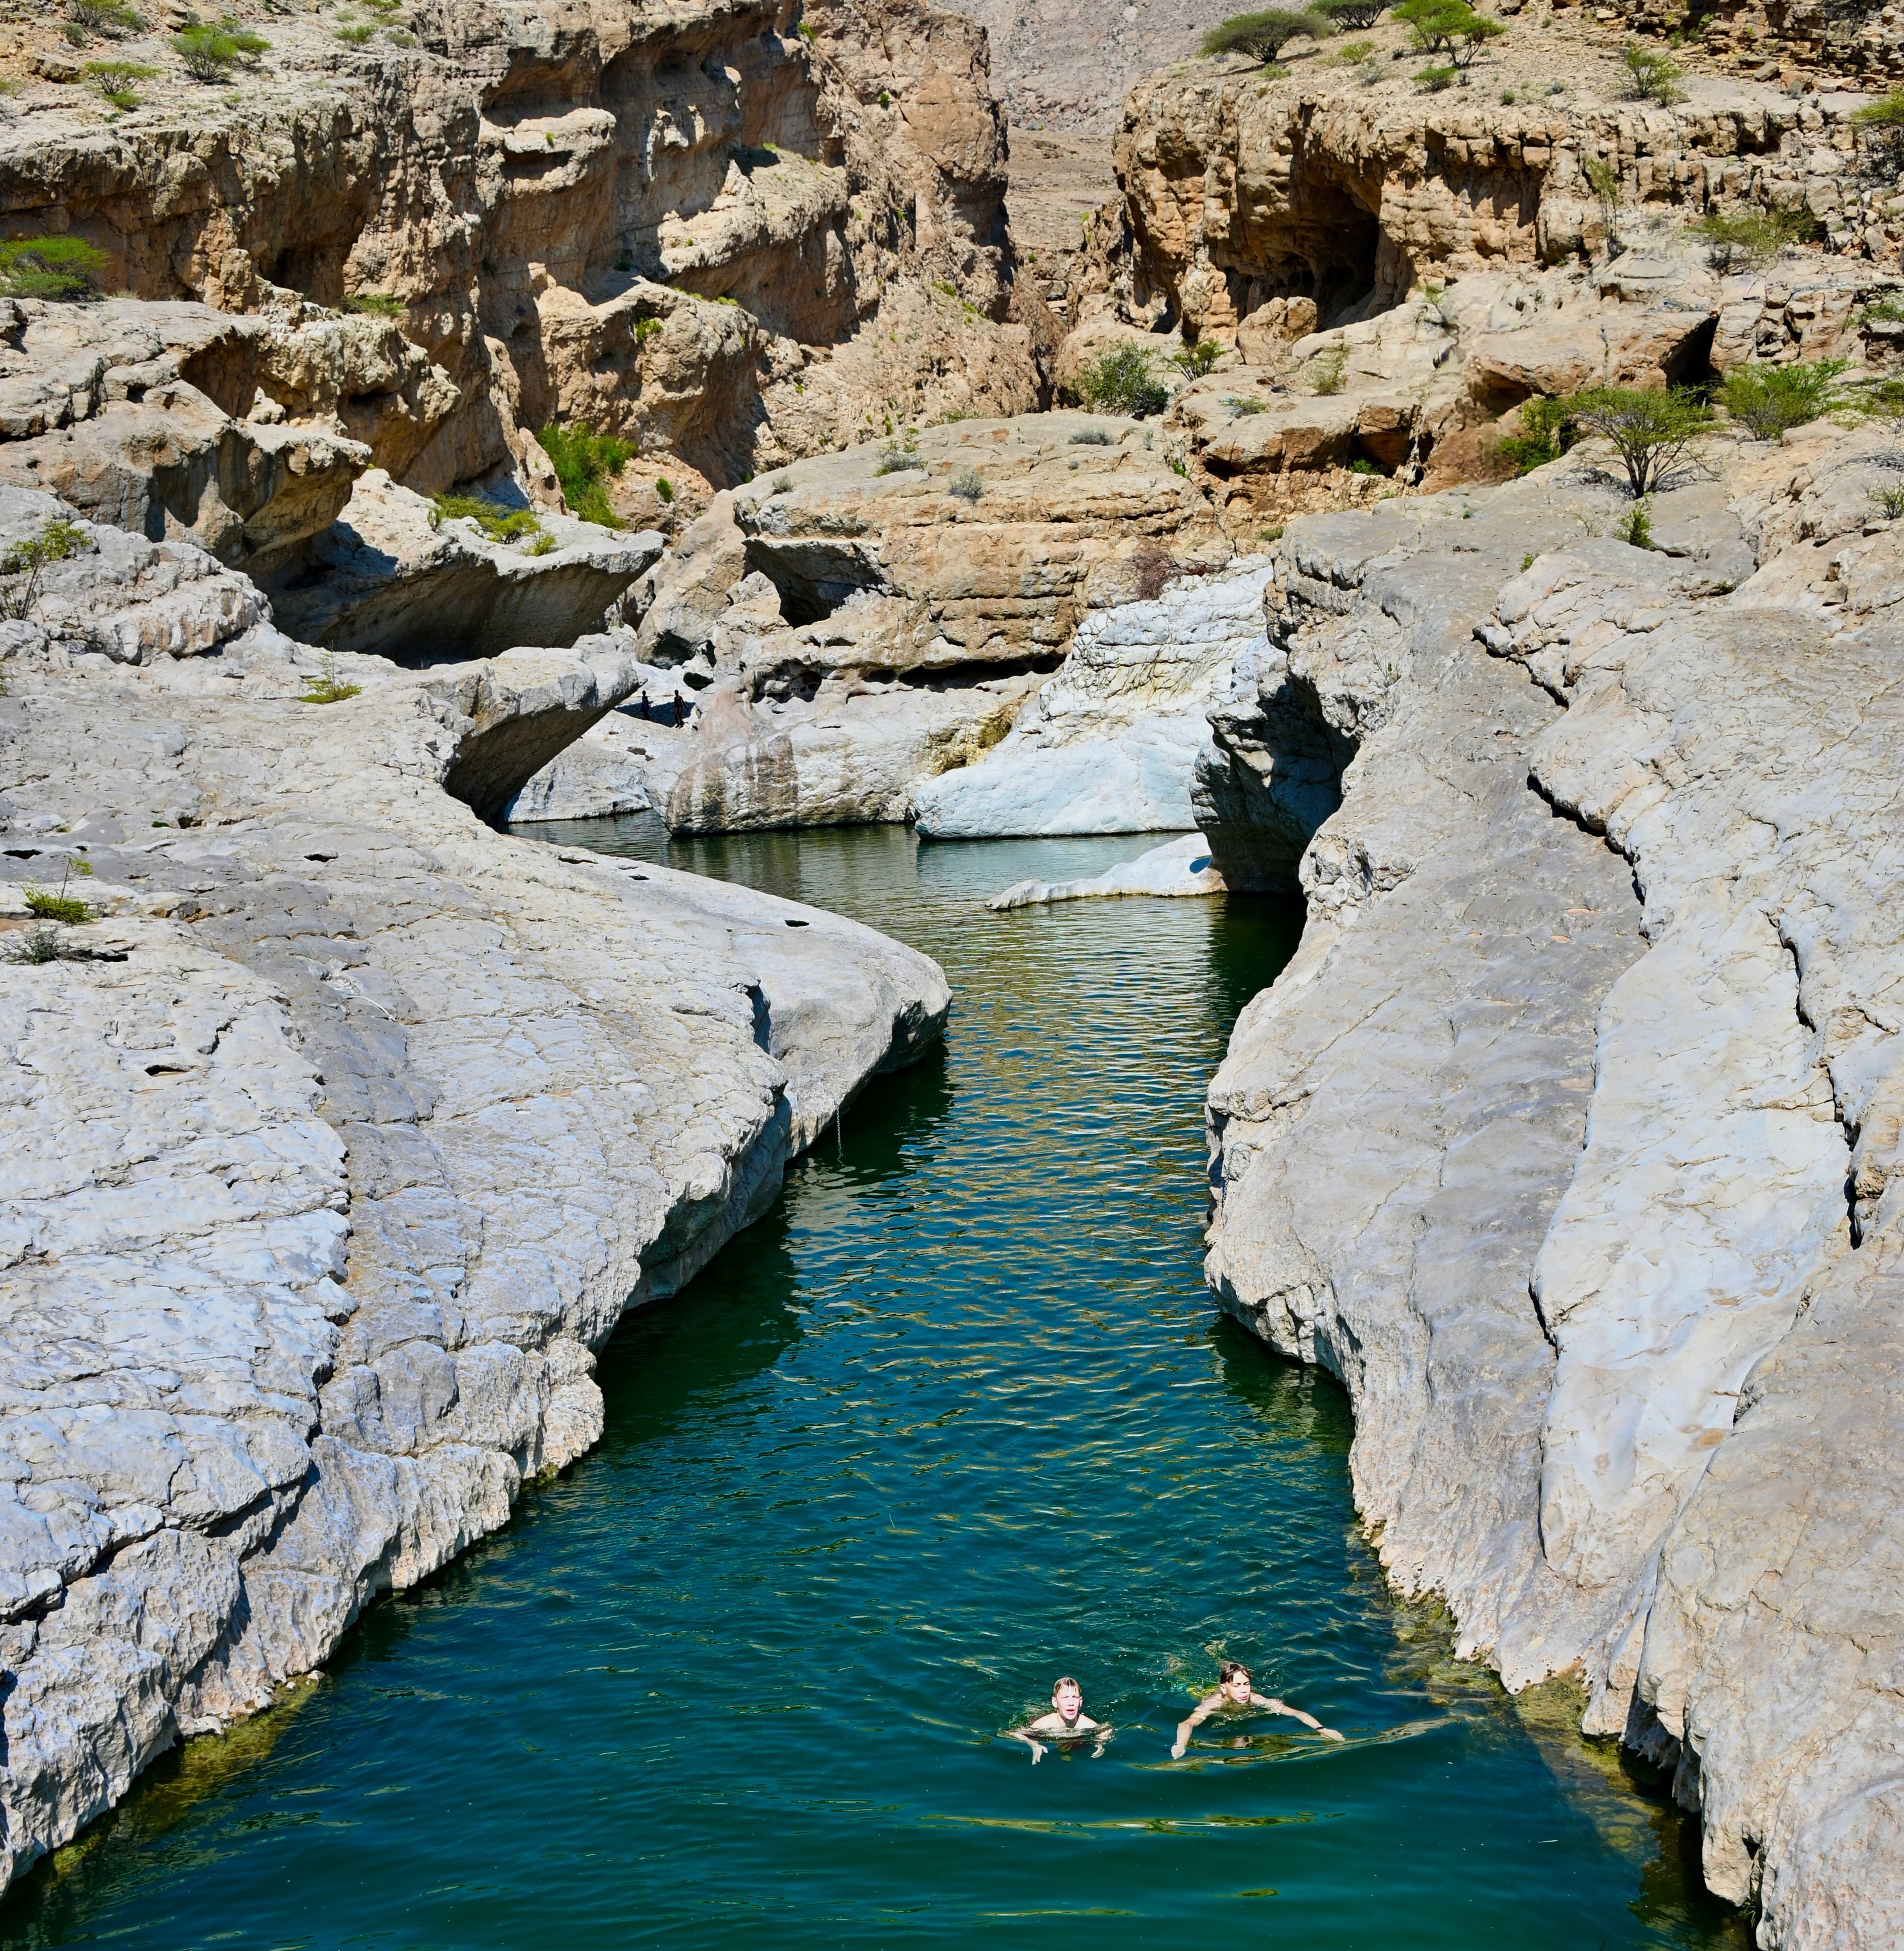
{"x": 64, "y": 268}
{"x": 498, "y": 523}
{"x": 966, "y": 485}
{"x": 1093, "y": 437}
{"x": 1750, "y": 239}
{"x": 209, "y": 54}
{"x": 24, "y": 563}
{"x": 1889, "y": 501}
{"x": 327, "y": 687}
{"x": 1242, "y": 405}
{"x": 665, "y": 488}
{"x": 1604, "y": 180}
{"x": 105, "y": 18}
{"x": 1356, "y": 15}
{"x": 894, "y": 459}
{"x": 584, "y": 461}
{"x": 1441, "y": 75}
{"x": 1651, "y": 75}
{"x": 1635, "y": 526}
{"x": 1262, "y": 36}
{"x": 1450, "y": 28}
{"x": 1767, "y": 399}
{"x": 1154, "y": 569}
{"x": 114, "y": 80}
{"x": 1197, "y": 360}
{"x": 1650, "y": 431}
{"x": 1546, "y": 433}
{"x": 1326, "y": 376}
{"x": 378, "y": 304}
{"x": 1121, "y": 381}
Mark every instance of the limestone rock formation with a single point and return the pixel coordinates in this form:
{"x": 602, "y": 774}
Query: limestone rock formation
{"x": 663, "y": 221}
{"x": 860, "y": 624}
{"x": 1179, "y": 868}
{"x": 1108, "y": 744}
{"x": 1567, "y": 1139}
{"x": 337, "y": 1141}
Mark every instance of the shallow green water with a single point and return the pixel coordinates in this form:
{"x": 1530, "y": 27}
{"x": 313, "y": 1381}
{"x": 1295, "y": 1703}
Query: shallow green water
{"x": 956, "y": 1417}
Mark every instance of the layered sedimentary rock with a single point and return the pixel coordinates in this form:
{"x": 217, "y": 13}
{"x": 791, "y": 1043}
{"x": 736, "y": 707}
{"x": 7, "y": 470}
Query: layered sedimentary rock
{"x": 1543, "y": 1142}
{"x": 338, "y": 1139}
{"x": 859, "y": 625}
{"x": 663, "y": 221}
{"x": 1107, "y": 745}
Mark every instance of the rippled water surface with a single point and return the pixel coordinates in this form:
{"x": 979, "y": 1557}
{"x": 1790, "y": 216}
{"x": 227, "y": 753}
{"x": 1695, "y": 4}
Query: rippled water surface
{"x": 955, "y": 1418}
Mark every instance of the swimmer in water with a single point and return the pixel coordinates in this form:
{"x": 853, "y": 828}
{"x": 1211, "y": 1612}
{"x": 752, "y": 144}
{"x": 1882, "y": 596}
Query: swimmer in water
{"x": 1233, "y": 1690}
{"x": 1067, "y": 1718}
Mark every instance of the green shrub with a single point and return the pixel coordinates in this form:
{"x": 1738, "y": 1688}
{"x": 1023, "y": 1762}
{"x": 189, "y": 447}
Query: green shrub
{"x": 1604, "y": 180}
{"x": 114, "y": 80}
{"x": 1650, "y": 431}
{"x": 1883, "y": 311}
{"x": 44, "y": 904}
{"x": 1635, "y": 526}
{"x": 1354, "y": 15}
{"x": 210, "y": 53}
{"x": 894, "y": 460}
{"x": 542, "y": 543}
{"x": 966, "y": 485}
{"x": 1262, "y": 37}
{"x": 1767, "y": 399}
{"x": 1436, "y": 79}
{"x": 63, "y": 268}
{"x": 1652, "y": 77}
{"x": 355, "y": 34}
{"x": 1546, "y": 433}
{"x": 1890, "y": 501}
{"x": 1093, "y": 437}
{"x": 584, "y": 459}
{"x": 1197, "y": 360}
{"x": 646, "y": 328}
{"x": 1243, "y": 405}
{"x": 25, "y": 562}
{"x": 1361, "y": 464}
{"x": 327, "y": 687}
{"x": 498, "y": 523}
{"x": 105, "y": 18}
{"x": 1752, "y": 238}
{"x": 378, "y": 304}
{"x": 1326, "y": 375}
{"x": 1450, "y": 28}
{"x": 665, "y": 488}
{"x": 1121, "y": 381}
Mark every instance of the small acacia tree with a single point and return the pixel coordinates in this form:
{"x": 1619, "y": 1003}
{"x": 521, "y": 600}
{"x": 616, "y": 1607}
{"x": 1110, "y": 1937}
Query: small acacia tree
{"x": 1767, "y": 399}
{"x": 1653, "y": 76}
{"x": 1264, "y": 36}
{"x": 1650, "y": 431}
{"x": 1354, "y": 15}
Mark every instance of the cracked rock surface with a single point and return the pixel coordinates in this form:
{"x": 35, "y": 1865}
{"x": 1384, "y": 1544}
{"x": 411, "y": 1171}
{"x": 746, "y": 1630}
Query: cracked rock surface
{"x": 1568, "y": 1139}
{"x": 341, "y": 1138}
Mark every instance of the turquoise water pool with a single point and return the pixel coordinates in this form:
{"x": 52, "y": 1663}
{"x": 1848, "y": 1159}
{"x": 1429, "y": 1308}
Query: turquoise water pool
{"x": 956, "y": 1417}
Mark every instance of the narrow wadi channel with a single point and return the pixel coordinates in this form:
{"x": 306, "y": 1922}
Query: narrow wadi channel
{"x": 956, "y": 1417}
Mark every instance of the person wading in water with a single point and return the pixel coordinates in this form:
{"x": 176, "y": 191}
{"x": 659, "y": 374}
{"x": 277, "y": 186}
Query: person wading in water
{"x": 1066, "y": 1722}
{"x": 1234, "y": 1691}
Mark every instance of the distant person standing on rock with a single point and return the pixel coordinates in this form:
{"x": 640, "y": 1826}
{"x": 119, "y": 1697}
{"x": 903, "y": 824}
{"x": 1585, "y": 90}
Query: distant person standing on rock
{"x": 1066, "y": 1721}
{"x": 1235, "y": 1692}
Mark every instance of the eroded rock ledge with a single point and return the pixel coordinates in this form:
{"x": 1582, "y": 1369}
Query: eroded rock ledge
{"x": 1568, "y": 1140}
{"x": 337, "y": 1143}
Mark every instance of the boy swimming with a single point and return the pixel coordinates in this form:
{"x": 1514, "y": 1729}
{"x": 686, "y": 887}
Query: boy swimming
{"x": 1234, "y": 1690}
{"x": 1067, "y": 1720}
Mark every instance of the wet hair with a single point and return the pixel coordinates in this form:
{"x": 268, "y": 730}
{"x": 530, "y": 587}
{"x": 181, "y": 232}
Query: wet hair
{"x": 1228, "y": 1670}
{"x": 1065, "y": 1680}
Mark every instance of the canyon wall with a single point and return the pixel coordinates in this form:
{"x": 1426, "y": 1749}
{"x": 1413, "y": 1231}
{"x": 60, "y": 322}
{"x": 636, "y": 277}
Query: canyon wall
{"x": 338, "y": 1137}
{"x": 663, "y": 222}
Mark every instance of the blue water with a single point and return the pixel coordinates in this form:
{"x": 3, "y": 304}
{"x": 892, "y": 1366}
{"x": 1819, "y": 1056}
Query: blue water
{"x": 956, "y": 1417}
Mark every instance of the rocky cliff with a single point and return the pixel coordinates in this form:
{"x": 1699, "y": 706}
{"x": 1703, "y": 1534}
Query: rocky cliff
{"x": 339, "y": 1137}
{"x": 1567, "y": 1140}
{"x": 666, "y": 221}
